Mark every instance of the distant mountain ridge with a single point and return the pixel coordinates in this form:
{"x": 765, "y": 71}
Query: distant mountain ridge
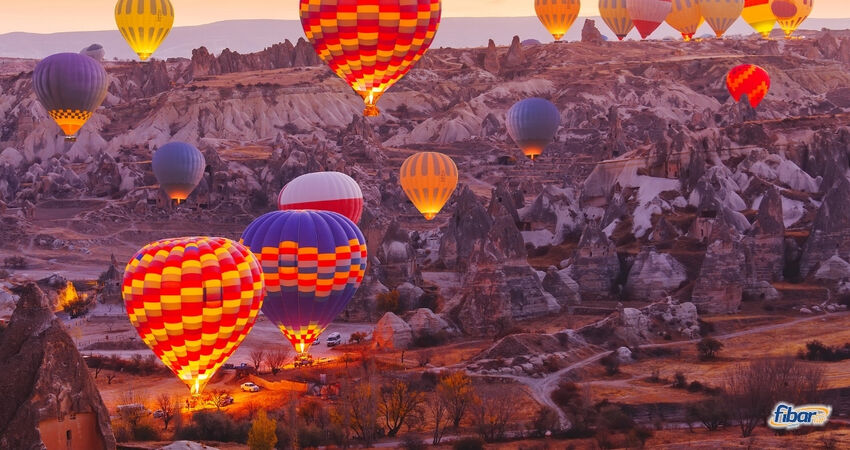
{"x": 254, "y": 35}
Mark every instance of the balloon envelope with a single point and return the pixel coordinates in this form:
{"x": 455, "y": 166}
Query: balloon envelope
{"x": 193, "y": 300}
{"x": 532, "y": 123}
{"x": 647, "y": 15}
{"x": 759, "y": 15}
{"x": 685, "y": 17}
{"x": 324, "y": 191}
{"x": 721, "y": 14}
{"x": 94, "y": 51}
{"x": 428, "y": 180}
{"x": 371, "y": 44}
{"x": 791, "y": 13}
{"x": 178, "y": 167}
{"x": 748, "y": 79}
{"x": 557, "y": 15}
{"x": 616, "y": 16}
{"x": 144, "y": 24}
{"x": 313, "y": 263}
{"x": 71, "y": 87}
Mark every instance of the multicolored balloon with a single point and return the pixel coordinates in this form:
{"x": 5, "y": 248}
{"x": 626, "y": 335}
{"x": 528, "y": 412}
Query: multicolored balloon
{"x": 371, "y": 44}
{"x": 178, "y": 167}
{"x": 721, "y": 14}
{"x": 685, "y": 17}
{"x": 532, "y": 123}
{"x": 791, "y": 13}
{"x": 759, "y": 15}
{"x": 557, "y": 15}
{"x": 615, "y": 14}
{"x": 193, "y": 300}
{"x": 429, "y": 179}
{"x": 647, "y": 15}
{"x": 144, "y": 24}
{"x": 748, "y": 79}
{"x": 313, "y": 263}
{"x": 323, "y": 191}
{"x": 71, "y": 87}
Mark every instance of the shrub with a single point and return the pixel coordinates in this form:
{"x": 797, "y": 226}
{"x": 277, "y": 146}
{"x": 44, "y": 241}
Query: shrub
{"x": 411, "y": 441}
{"x": 428, "y": 339}
{"x": 708, "y": 348}
{"x": 680, "y": 381}
{"x": 389, "y": 302}
{"x": 469, "y": 443}
{"x": 547, "y": 420}
{"x": 612, "y": 417}
{"x": 817, "y": 351}
{"x": 695, "y": 386}
{"x": 122, "y": 430}
{"x": 430, "y": 300}
{"x": 145, "y": 431}
{"x": 611, "y": 363}
{"x": 711, "y": 413}
{"x": 213, "y": 426}
{"x": 262, "y": 435}
{"x": 15, "y": 262}
{"x": 357, "y": 337}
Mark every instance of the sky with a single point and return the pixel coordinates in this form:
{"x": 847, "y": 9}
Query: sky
{"x": 50, "y": 16}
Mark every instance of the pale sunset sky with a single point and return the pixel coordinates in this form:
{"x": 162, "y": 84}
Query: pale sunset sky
{"x": 50, "y": 16}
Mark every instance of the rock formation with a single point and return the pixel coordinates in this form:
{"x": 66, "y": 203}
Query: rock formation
{"x": 278, "y": 56}
{"x": 654, "y": 276}
{"x": 49, "y": 398}
{"x": 392, "y": 332}
{"x": 424, "y": 323}
{"x": 719, "y": 287}
{"x": 595, "y": 265}
{"x": 632, "y": 327}
{"x": 589, "y": 32}
{"x": 765, "y": 244}
{"x": 831, "y": 230}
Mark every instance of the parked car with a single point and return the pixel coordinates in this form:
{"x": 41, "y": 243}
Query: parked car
{"x": 250, "y": 387}
{"x": 334, "y": 339}
{"x": 158, "y": 414}
{"x": 228, "y": 400}
{"x": 228, "y": 366}
{"x": 243, "y": 366}
{"x": 135, "y": 408}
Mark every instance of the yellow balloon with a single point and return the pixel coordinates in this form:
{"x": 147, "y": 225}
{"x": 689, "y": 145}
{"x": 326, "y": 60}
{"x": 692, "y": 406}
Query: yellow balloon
{"x": 791, "y": 13}
{"x": 429, "y": 179}
{"x": 721, "y": 14}
{"x": 144, "y": 24}
{"x": 758, "y": 14}
{"x": 557, "y": 15}
{"x": 616, "y": 16}
{"x": 685, "y": 17}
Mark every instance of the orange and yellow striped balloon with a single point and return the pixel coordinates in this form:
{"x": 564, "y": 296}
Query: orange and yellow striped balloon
{"x": 616, "y": 16}
{"x": 685, "y": 17}
{"x": 759, "y": 15}
{"x": 791, "y": 13}
{"x": 371, "y": 44}
{"x": 144, "y": 24}
{"x": 429, "y": 179}
{"x": 557, "y": 15}
{"x": 721, "y": 14}
{"x": 193, "y": 300}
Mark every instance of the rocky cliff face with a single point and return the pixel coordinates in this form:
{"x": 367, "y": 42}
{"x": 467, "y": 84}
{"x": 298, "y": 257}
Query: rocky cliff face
{"x": 46, "y": 383}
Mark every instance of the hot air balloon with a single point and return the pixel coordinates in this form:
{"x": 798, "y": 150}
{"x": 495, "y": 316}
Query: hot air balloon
{"x": 685, "y": 17}
{"x": 178, "y": 167}
{"x": 557, "y": 15}
{"x": 429, "y": 179}
{"x": 759, "y": 15}
{"x": 748, "y": 79}
{"x": 313, "y": 262}
{"x": 616, "y": 16}
{"x": 532, "y": 123}
{"x": 193, "y": 300}
{"x": 647, "y": 15}
{"x": 71, "y": 87}
{"x": 371, "y": 44}
{"x": 324, "y": 191}
{"x": 721, "y": 14}
{"x": 791, "y": 13}
{"x": 144, "y": 24}
{"x": 94, "y": 51}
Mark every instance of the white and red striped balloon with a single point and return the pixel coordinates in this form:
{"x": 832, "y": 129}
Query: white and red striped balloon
{"x": 647, "y": 15}
{"x": 323, "y": 191}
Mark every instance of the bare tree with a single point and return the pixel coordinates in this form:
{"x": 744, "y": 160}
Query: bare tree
{"x": 218, "y": 398}
{"x": 134, "y": 407}
{"x": 493, "y": 412}
{"x": 110, "y": 376}
{"x": 358, "y": 407}
{"x": 169, "y": 406}
{"x": 398, "y": 403}
{"x": 457, "y": 392}
{"x": 276, "y": 359}
{"x": 257, "y": 357}
{"x": 752, "y": 390}
{"x": 440, "y": 415}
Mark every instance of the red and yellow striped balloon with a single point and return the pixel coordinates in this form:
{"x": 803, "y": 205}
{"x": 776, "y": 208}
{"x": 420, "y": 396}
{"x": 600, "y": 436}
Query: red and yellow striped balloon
{"x": 371, "y": 44}
{"x": 193, "y": 300}
{"x": 748, "y": 79}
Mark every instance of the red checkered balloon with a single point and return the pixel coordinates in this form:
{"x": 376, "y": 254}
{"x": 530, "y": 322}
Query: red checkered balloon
{"x": 371, "y": 44}
{"x": 748, "y": 79}
{"x": 193, "y": 300}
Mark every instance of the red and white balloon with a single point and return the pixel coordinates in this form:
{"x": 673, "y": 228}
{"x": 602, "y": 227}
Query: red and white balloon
{"x": 323, "y": 191}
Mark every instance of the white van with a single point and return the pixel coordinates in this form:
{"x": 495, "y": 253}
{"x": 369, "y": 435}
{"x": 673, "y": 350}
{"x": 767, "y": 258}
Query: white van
{"x": 334, "y": 339}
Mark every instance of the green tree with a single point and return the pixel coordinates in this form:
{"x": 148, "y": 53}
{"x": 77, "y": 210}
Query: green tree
{"x": 262, "y": 435}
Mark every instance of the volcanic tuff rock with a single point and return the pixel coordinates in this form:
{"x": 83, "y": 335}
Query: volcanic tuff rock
{"x": 424, "y": 323}
{"x": 278, "y": 56}
{"x": 833, "y": 269}
{"x": 831, "y": 230}
{"x": 632, "y": 327}
{"x": 392, "y": 332}
{"x": 589, "y": 32}
{"x": 719, "y": 287}
{"x": 555, "y": 206}
{"x": 562, "y": 287}
{"x": 765, "y": 244}
{"x": 46, "y": 382}
{"x": 468, "y": 224}
{"x": 595, "y": 265}
{"x": 654, "y": 275}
